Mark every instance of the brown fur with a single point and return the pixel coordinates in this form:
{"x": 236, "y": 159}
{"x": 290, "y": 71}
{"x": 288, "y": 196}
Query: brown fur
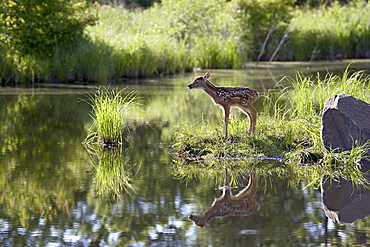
{"x": 228, "y": 205}
{"x": 227, "y": 97}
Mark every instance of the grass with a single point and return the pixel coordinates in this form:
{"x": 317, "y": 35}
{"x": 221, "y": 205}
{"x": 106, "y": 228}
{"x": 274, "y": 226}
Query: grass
{"x": 272, "y": 138}
{"x": 173, "y": 38}
{"x": 288, "y": 126}
{"x": 332, "y": 32}
{"x": 109, "y": 110}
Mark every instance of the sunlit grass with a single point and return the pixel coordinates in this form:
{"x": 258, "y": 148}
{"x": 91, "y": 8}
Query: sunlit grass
{"x": 171, "y": 38}
{"x": 109, "y": 111}
{"x": 272, "y": 138}
{"x": 330, "y": 32}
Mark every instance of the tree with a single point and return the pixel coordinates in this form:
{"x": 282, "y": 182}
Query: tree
{"x": 39, "y": 26}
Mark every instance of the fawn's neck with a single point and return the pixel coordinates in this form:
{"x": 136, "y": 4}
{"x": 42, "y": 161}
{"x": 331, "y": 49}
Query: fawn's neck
{"x": 210, "y": 89}
{"x": 213, "y": 212}
{"x": 210, "y": 214}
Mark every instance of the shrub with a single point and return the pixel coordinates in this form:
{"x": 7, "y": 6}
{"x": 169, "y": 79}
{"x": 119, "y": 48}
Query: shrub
{"x": 38, "y": 26}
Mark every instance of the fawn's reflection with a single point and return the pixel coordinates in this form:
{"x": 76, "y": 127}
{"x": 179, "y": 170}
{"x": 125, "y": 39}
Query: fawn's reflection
{"x": 241, "y": 204}
{"x": 343, "y": 202}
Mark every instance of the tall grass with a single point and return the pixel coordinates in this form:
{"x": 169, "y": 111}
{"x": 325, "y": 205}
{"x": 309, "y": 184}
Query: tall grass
{"x": 172, "y": 37}
{"x": 302, "y": 98}
{"x": 177, "y": 36}
{"x": 109, "y": 109}
{"x": 331, "y": 32}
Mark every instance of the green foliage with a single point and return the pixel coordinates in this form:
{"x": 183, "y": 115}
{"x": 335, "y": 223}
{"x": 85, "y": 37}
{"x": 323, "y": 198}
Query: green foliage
{"x": 307, "y": 95}
{"x": 337, "y": 31}
{"x": 173, "y": 37}
{"x": 55, "y": 42}
{"x": 38, "y": 26}
{"x": 304, "y": 98}
{"x": 347, "y": 165}
{"x": 265, "y": 22}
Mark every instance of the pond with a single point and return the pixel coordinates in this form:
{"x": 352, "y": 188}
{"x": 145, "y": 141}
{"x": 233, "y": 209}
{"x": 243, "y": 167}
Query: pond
{"x": 57, "y": 191}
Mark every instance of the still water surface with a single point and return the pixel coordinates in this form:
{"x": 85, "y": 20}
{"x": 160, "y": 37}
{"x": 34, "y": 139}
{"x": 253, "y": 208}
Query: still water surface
{"x": 55, "y": 191}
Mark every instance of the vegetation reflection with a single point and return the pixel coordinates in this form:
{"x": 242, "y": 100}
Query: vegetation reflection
{"x": 112, "y": 176}
{"x": 39, "y": 179}
{"x": 343, "y": 202}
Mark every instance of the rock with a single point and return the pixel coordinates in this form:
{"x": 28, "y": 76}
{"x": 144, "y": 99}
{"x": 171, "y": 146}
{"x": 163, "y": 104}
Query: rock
{"x": 345, "y": 122}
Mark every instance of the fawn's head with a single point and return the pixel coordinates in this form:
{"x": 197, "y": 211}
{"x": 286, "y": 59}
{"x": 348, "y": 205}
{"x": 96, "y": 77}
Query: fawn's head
{"x": 199, "y": 82}
{"x": 200, "y": 221}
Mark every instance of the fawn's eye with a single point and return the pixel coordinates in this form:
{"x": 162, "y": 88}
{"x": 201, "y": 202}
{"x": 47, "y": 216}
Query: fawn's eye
{"x": 196, "y": 82}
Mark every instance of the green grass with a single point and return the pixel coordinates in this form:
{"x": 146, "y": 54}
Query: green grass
{"x": 109, "y": 111}
{"x": 288, "y": 126}
{"x": 330, "y": 32}
{"x": 173, "y": 38}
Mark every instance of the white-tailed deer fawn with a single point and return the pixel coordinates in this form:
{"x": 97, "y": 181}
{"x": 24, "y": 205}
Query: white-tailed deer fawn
{"x": 227, "y": 97}
{"x": 228, "y": 205}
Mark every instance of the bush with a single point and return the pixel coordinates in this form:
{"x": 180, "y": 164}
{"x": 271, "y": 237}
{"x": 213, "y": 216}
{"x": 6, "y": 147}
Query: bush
{"x": 38, "y": 26}
{"x": 266, "y": 22}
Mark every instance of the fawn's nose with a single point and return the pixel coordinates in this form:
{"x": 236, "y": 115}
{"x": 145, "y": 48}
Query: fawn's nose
{"x": 189, "y": 86}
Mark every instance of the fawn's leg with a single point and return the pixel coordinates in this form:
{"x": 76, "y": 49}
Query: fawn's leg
{"x": 226, "y": 189}
{"x": 252, "y": 114}
{"x": 251, "y": 189}
{"x": 226, "y": 119}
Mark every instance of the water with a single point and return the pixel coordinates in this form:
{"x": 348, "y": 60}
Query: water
{"x": 55, "y": 191}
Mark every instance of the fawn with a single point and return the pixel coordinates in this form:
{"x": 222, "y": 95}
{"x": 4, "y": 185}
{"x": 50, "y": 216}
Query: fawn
{"x": 228, "y": 205}
{"x": 227, "y": 97}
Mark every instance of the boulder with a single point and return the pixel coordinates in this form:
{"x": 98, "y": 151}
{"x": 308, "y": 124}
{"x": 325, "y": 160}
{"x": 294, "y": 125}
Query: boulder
{"x": 345, "y": 122}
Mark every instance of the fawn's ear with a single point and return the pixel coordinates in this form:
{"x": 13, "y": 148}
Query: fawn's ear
{"x": 207, "y": 75}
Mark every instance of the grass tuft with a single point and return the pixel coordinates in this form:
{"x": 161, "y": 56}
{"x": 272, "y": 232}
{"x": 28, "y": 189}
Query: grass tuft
{"x": 109, "y": 111}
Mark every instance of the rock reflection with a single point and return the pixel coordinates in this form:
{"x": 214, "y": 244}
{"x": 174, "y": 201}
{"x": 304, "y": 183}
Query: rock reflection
{"x": 343, "y": 202}
{"x": 241, "y": 204}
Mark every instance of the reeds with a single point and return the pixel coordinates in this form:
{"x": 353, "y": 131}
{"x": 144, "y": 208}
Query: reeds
{"x": 109, "y": 110}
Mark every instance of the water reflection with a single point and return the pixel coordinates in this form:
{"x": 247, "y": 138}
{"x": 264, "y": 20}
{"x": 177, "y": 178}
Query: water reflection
{"x": 32, "y": 180}
{"x": 48, "y": 196}
{"x": 241, "y": 204}
{"x": 343, "y": 202}
{"x": 112, "y": 175}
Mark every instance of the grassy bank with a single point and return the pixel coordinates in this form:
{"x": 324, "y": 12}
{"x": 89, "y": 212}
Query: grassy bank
{"x": 178, "y": 36}
{"x": 288, "y": 127}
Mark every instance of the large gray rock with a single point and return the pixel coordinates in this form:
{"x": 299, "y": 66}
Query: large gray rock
{"x": 345, "y": 122}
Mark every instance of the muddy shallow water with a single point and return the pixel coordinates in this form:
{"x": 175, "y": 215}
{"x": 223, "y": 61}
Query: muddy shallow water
{"x": 55, "y": 191}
